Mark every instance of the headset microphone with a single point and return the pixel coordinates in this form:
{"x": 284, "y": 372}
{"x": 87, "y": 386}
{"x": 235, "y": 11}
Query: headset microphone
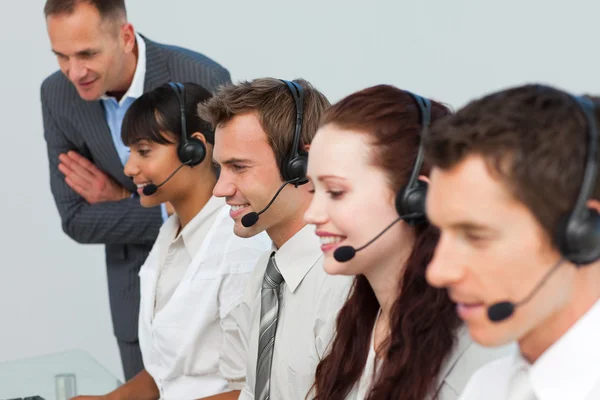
{"x": 347, "y": 253}
{"x": 150, "y": 189}
{"x": 251, "y": 218}
{"x": 500, "y": 311}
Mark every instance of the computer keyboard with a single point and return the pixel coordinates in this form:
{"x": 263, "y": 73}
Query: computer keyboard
{"x": 28, "y": 398}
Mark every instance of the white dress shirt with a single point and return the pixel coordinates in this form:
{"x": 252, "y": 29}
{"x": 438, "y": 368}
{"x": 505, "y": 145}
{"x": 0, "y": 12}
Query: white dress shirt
{"x": 180, "y": 250}
{"x": 190, "y": 283}
{"x": 310, "y": 298}
{"x": 568, "y": 370}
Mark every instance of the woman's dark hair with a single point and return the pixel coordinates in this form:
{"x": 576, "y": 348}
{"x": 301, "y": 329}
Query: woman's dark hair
{"x": 156, "y": 116}
{"x": 423, "y": 321}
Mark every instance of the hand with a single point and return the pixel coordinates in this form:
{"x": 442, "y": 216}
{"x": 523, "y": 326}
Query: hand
{"x": 88, "y": 180}
{"x": 111, "y": 396}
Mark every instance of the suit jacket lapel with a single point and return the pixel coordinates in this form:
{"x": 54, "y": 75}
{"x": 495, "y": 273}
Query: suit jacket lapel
{"x": 157, "y": 72}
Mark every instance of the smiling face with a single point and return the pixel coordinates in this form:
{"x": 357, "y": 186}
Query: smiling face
{"x": 91, "y": 51}
{"x": 492, "y": 249}
{"x": 250, "y": 177}
{"x": 151, "y": 162}
{"x": 353, "y": 200}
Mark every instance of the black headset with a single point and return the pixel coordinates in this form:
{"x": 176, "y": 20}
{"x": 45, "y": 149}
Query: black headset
{"x": 293, "y": 166}
{"x": 411, "y": 198}
{"x": 578, "y": 234}
{"x": 191, "y": 151}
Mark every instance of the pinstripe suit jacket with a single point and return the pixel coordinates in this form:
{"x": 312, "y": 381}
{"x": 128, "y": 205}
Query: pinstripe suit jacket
{"x": 126, "y": 228}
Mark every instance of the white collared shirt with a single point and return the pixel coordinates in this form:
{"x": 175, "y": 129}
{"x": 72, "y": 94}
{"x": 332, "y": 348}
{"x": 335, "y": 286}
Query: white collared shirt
{"x": 310, "y": 298}
{"x": 189, "y": 286}
{"x": 177, "y": 252}
{"x": 568, "y": 370}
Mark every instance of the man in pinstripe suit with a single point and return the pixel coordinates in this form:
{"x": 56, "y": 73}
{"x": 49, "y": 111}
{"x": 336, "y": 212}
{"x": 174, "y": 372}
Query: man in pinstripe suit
{"x": 104, "y": 66}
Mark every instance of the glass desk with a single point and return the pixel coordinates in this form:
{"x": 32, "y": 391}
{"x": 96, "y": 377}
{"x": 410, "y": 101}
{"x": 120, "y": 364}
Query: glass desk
{"x": 55, "y": 377}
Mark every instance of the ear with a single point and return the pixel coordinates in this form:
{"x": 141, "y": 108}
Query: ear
{"x": 306, "y": 147}
{"x": 424, "y": 178}
{"x": 200, "y": 137}
{"x": 594, "y": 205}
{"x": 127, "y": 35}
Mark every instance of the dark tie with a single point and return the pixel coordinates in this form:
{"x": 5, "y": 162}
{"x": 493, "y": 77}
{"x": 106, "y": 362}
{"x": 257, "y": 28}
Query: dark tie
{"x": 269, "y": 309}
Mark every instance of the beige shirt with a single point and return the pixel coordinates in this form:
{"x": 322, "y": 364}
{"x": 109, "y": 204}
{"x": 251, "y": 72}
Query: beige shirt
{"x": 466, "y": 358}
{"x": 568, "y": 370}
{"x": 310, "y": 298}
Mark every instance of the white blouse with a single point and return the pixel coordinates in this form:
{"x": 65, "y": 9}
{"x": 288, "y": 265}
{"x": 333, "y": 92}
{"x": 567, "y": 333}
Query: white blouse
{"x": 190, "y": 283}
{"x": 466, "y": 358}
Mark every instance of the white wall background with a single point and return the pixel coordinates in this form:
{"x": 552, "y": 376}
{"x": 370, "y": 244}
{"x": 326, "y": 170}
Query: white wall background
{"x": 53, "y": 294}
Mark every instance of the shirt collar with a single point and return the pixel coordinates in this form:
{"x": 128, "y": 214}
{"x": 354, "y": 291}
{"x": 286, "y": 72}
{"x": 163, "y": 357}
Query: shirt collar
{"x": 136, "y": 89}
{"x": 298, "y": 255}
{"x": 191, "y": 239}
{"x": 569, "y": 368}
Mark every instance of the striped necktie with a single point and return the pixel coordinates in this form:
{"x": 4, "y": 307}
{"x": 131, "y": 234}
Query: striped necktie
{"x": 269, "y": 310}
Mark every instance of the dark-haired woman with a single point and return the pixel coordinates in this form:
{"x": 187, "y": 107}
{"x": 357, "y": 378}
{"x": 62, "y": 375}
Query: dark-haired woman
{"x": 195, "y": 274}
{"x": 397, "y": 337}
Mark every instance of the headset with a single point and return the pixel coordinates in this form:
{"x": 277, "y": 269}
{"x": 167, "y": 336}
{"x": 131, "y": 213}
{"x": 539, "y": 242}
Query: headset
{"x": 578, "y": 233}
{"x": 293, "y": 166}
{"x": 191, "y": 151}
{"x": 410, "y": 200}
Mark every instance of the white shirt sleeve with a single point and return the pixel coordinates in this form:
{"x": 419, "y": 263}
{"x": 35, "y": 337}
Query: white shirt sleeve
{"x": 234, "y": 319}
{"x": 246, "y": 393}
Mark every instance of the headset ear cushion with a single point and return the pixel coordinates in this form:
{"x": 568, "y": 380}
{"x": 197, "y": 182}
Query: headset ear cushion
{"x": 412, "y": 201}
{"x": 296, "y": 168}
{"x": 193, "y": 152}
{"x": 579, "y": 240}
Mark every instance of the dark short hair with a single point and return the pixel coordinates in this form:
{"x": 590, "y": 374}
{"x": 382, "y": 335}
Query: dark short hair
{"x": 106, "y": 8}
{"x": 533, "y": 137}
{"x": 155, "y": 116}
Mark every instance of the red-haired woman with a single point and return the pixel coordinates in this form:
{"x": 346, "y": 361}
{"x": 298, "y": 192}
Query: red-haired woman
{"x": 397, "y": 337}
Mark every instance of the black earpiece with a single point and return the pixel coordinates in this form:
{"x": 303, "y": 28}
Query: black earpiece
{"x": 191, "y": 151}
{"x": 410, "y": 200}
{"x": 294, "y": 165}
{"x": 578, "y": 233}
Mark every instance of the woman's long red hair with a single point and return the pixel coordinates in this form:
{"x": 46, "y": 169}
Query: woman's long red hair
{"x": 423, "y": 321}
